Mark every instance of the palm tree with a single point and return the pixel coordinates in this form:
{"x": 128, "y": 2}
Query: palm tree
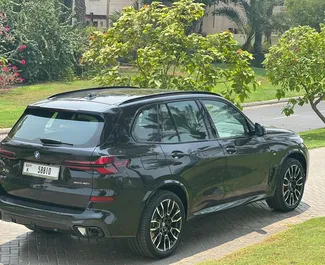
{"x": 253, "y": 17}
{"x": 80, "y": 10}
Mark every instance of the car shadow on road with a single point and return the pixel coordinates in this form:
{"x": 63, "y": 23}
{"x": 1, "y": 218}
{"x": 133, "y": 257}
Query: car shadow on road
{"x": 201, "y": 234}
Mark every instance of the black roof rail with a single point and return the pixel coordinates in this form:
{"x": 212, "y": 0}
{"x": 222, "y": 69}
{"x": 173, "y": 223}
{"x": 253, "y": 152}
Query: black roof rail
{"x": 179, "y": 92}
{"x": 90, "y": 89}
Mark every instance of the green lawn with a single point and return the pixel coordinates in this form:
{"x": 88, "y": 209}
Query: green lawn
{"x": 303, "y": 244}
{"x": 13, "y": 103}
{"x": 314, "y": 139}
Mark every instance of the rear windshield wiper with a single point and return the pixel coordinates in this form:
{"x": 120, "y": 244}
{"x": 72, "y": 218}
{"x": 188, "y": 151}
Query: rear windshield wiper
{"x": 51, "y": 141}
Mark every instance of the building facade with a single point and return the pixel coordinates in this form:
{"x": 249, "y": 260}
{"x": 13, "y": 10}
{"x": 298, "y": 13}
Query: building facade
{"x": 99, "y": 10}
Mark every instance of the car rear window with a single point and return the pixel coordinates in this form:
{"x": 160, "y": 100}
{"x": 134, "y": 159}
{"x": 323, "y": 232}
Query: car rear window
{"x": 74, "y": 128}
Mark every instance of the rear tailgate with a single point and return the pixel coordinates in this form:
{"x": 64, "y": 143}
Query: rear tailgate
{"x": 33, "y": 158}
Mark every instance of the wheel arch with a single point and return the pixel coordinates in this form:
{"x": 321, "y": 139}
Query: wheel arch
{"x": 298, "y": 155}
{"x": 175, "y": 187}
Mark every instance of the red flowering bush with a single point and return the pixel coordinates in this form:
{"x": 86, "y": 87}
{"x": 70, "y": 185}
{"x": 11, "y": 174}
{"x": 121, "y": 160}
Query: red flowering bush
{"x": 10, "y": 54}
{"x": 9, "y": 76}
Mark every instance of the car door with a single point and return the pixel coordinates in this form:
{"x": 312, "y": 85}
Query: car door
{"x": 194, "y": 158}
{"x": 248, "y": 155}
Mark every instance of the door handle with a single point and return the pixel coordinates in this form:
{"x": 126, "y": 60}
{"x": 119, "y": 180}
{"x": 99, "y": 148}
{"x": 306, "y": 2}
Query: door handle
{"x": 177, "y": 154}
{"x": 231, "y": 149}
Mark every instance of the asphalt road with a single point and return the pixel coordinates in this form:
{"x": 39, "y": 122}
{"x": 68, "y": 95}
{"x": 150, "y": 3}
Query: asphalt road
{"x": 304, "y": 118}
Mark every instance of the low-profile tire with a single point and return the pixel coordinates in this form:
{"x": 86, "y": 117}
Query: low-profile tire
{"x": 289, "y": 188}
{"x": 161, "y": 226}
{"x": 42, "y": 230}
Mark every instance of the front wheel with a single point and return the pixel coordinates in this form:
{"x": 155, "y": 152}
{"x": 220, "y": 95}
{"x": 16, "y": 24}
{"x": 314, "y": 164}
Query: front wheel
{"x": 290, "y": 187}
{"x": 161, "y": 226}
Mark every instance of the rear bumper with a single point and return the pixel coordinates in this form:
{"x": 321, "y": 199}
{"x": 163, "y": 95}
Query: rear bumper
{"x": 57, "y": 219}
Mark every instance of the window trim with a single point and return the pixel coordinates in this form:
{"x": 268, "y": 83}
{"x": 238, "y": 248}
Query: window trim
{"x": 248, "y": 121}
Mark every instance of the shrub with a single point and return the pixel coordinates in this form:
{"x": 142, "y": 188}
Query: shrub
{"x": 52, "y": 45}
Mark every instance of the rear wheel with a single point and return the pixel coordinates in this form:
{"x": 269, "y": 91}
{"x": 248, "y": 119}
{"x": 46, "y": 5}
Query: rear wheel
{"x": 161, "y": 226}
{"x": 290, "y": 187}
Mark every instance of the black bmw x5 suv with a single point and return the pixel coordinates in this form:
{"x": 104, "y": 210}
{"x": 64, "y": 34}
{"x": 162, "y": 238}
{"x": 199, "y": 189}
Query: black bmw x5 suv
{"x": 139, "y": 163}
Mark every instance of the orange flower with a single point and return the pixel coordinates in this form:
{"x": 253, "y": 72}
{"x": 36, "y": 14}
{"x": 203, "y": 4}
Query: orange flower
{"x": 239, "y": 51}
{"x": 91, "y": 37}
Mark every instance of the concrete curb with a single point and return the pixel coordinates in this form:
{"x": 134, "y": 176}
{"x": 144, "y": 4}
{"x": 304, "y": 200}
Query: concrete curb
{"x": 268, "y": 102}
{"x": 5, "y": 131}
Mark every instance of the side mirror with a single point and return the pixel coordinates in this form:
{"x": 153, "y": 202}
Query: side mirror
{"x": 259, "y": 130}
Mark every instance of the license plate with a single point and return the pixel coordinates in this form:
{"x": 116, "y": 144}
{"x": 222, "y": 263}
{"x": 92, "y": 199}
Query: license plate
{"x": 41, "y": 171}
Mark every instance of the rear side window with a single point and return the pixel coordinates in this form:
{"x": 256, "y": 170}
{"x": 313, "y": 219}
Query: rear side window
{"x": 73, "y": 128}
{"x": 146, "y": 125}
{"x": 189, "y": 121}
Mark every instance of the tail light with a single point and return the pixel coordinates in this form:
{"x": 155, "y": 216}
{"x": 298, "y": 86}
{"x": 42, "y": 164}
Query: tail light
{"x": 7, "y": 154}
{"x": 103, "y": 165}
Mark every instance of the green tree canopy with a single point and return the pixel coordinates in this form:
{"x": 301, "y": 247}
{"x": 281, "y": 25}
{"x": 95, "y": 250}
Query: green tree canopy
{"x": 154, "y": 40}
{"x": 306, "y": 12}
{"x": 296, "y": 63}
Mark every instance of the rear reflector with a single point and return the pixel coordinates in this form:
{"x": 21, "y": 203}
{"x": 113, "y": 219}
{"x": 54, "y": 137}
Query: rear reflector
{"x": 7, "y": 154}
{"x": 101, "y": 199}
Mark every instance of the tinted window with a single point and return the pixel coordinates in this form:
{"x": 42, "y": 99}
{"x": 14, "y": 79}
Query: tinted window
{"x": 189, "y": 121}
{"x": 78, "y": 129}
{"x": 168, "y": 133}
{"x": 146, "y": 125}
{"x": 228, "y": 121}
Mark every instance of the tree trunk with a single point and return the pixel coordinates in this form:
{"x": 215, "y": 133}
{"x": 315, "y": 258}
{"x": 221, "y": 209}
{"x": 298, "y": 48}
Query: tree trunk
{"x": 258, "y": 49}
{"x": 268, "y": 36}
{"x": 80, "y": 10}
{"x": 319, "y": 114}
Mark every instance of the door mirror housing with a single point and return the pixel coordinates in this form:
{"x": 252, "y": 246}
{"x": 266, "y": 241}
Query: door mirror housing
{"x": 259, "y": 130}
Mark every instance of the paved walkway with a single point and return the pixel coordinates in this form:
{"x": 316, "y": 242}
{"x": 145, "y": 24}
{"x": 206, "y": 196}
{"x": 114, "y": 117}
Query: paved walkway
{"x": 209, "y": 237}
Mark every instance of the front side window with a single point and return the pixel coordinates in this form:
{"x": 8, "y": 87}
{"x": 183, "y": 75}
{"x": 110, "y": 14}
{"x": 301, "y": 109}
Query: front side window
{"x": 228, "y": 121}
{"x": 189, "y": 121}
{"x": 146, "y": 125}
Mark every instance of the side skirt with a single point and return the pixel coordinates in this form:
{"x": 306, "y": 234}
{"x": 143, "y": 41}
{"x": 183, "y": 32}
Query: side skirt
{"x": 232, "y": 204}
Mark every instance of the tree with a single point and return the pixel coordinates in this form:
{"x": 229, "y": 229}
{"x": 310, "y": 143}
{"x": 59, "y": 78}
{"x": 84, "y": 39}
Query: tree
{"x": 255, "y": 18}
{"x": 306, "y": 12}
{"x": 154, "y": 40}
{"x": 197, "y": 25}
{"x": 296, "y": 63}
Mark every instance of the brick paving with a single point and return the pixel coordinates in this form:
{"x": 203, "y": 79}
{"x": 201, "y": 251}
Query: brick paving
{"x": 208, "y": 237}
